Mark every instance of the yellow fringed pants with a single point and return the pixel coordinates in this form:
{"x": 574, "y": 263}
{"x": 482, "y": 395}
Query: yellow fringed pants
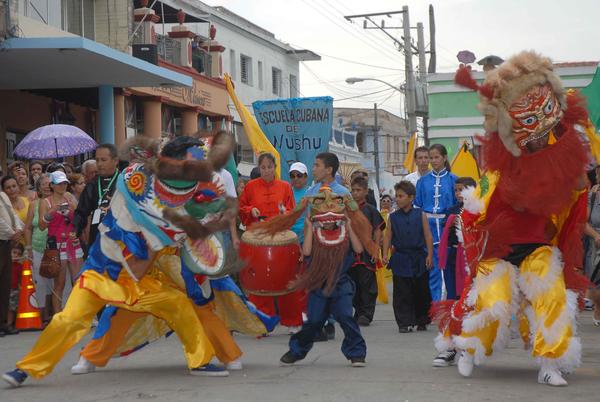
{"x": 99, "y": 351}
{"x": 91, "y": 293}
{"x": 546, "y": 309}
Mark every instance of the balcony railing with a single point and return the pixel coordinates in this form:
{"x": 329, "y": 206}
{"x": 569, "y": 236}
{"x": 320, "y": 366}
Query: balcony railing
{"x": 168, "y": 49}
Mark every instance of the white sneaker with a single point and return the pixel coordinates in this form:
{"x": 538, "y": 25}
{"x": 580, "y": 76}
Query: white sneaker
{"x": 234, "y": 365}
{"x": 294, "y": 330}
{"x": 465, "y": 364}
{"x": 445, "y": 359}
{"x": 551, "y": 376}
{"x": 83, "y": 367}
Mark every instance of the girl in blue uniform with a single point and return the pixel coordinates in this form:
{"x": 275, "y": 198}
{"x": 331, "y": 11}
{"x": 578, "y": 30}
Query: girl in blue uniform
{"x": 435, "y": 196}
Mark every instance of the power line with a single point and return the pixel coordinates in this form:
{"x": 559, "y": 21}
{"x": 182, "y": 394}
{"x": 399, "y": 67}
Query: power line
{"x": 324, "y": 14}
{"x": 367, "y": 94}
{"x": 384, "y": 44}
{"x": 362, "y": 64}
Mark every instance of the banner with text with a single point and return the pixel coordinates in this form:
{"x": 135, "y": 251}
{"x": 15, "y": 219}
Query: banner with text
{"x": 299, "y": 128}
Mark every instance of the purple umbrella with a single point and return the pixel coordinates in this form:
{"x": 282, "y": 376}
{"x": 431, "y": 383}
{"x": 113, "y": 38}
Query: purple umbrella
{"x": 465, "y": 56}
{"x": 55, "y": 141}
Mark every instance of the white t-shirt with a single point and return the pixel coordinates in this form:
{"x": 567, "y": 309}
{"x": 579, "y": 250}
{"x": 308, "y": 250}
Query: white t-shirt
{"x": 413, "y": 177}
{"x": 228, "y": 183}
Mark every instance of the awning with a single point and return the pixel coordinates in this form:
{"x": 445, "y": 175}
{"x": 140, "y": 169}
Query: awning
{"x": 76, "y": 62}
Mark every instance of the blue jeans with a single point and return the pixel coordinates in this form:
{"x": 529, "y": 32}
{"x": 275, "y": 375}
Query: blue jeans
{"x": 320, "y": 307}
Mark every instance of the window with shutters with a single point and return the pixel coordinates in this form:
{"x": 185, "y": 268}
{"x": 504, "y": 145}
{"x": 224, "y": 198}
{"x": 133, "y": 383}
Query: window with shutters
{"x": 246, "y": 69}
{"x": 276, "y": 81}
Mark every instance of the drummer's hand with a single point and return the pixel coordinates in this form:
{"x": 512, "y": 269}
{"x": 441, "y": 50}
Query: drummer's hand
{"x": 307, "y": 223}
{"x": 255, "y": 213}
{"x": 236, "y": 243}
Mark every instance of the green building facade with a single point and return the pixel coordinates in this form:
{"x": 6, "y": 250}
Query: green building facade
{"x": 453, "y": 114}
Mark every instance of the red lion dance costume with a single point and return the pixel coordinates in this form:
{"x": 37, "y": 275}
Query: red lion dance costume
{"x": 522, "y": 235}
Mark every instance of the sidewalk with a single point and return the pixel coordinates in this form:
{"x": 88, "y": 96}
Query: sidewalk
{"x": 398, "y": 369}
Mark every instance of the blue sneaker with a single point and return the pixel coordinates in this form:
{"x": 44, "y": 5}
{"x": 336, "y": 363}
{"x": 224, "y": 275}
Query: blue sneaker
{"x": 210, "y": 370}
{"x": 15, "y": 378}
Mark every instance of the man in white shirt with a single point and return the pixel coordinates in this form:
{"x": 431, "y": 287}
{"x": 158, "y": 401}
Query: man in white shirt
{"x": 422, "y": 161}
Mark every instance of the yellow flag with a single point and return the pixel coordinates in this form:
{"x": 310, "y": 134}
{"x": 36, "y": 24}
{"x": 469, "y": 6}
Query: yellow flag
{"x": 258, "y": 140}
{"x": 464, "y": 164}
{"x": 409, "y": 160}
{"x": 594, "y": 139}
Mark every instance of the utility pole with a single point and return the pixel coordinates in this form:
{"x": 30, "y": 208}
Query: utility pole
{"x": 410, "y": 78}
{"x": 432, "y": 55}
{"x": 423, "y": 109}
{"x": 376, "y": 144}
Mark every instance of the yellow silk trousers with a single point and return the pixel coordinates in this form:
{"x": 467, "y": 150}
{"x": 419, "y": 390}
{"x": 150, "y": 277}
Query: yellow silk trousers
{"x": 91, "y": 293}
{"x": 99, "y": 351}
{"x": 536, "y": 292}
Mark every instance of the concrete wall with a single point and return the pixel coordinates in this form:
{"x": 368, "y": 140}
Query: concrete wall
{"x": 241, "y": 42}
{"x": 114, "y": 23}
{"x": 22, "y": 112}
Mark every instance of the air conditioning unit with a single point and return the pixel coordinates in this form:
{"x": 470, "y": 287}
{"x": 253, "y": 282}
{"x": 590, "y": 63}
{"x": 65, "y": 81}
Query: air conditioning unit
{"x": 148, "y": 53}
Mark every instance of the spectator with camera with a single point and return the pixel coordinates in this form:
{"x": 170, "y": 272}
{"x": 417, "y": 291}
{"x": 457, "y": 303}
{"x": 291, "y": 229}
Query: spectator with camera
{"x": 56, "y": 213}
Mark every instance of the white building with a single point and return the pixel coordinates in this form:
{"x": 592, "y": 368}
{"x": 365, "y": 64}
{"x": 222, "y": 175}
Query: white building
{"x": 261, "y": 66}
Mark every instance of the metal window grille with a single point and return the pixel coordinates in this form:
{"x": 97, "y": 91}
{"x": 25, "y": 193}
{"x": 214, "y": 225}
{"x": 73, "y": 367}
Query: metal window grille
{"x": 246, "y": 69}
{"x": 276, "y": 81}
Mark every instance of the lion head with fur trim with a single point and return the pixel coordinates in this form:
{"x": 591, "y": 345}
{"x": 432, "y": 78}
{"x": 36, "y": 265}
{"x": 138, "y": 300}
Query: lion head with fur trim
{"x": 528, "y": 102}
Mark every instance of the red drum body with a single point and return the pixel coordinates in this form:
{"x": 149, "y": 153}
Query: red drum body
{"x": 271, "y": 263}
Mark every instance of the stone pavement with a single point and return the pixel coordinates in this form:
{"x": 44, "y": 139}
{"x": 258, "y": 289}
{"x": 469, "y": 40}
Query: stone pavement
{"x": 398, "y": 369}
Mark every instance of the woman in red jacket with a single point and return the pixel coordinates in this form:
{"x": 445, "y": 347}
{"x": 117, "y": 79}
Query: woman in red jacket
{"x": 261, "y": 199}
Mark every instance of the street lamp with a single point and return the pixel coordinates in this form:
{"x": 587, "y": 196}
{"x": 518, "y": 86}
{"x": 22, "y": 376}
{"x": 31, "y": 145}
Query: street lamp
{"x": 353, "y": 80}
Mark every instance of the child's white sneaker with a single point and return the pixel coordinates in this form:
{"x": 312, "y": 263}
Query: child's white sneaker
{"x": 551, "y": 376}
{"x": 83, "y": 367}
{"x": 234, "y": 365}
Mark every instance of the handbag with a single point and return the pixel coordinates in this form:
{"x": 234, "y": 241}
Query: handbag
{"x": 50, "y": 265}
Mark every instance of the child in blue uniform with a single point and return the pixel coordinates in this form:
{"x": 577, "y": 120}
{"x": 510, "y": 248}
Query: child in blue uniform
{"x": 435, "y": 196}
{"x": 412, "y": 244}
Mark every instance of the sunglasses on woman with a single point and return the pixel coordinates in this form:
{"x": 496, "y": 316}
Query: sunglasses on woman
{"x": 296, "y": 175}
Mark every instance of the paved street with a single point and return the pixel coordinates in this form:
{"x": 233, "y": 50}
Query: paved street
{"x": 399, "y": 369}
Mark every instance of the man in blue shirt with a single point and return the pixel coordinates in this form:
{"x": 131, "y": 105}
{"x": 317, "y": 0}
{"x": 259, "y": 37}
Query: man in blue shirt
{"x": 298, "y": 178}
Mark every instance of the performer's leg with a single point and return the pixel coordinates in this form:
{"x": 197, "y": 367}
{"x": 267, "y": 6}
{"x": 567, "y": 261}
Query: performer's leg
{"x": 435, "y": 276}
{"x": 291, "y": 307}
{"x": 487, "y": 327}
{"x": 365, "y": 296}
{"x": 177, "y": 310}
{"x": 65, "y": 330}
{"x": 422, "y": 299}
{"x": 450, "y": 275}
{"x": 217, "y": 332}
{"x": 266, "y": 304}
{"x": 403, "y": 302}
{"x": 356, "y": 299}
{"x": 98, "y": 351}
{"x": 317, "y": 312}
{"x": 354, "y": 345}
{"x": 552, "y": 310}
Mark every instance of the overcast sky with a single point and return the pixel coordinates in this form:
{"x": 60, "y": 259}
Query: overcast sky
{"x": 563, "y": 30}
